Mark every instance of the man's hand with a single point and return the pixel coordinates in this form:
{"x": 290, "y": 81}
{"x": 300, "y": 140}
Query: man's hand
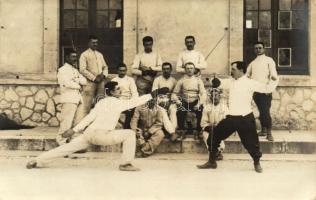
{"x": 196, "y": 107}
{"x": 159, "y": 91}
{"x": 99, "y": 78}
{"x": 139, "y": 132}
{"x": 68, "y": 134}
{"x": 143, "y": 68}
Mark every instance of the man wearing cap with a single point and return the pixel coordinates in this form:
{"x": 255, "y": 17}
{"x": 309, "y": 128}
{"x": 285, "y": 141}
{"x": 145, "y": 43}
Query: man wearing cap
{"x": 166, "y": 80}
{"x": 151, "y": 123}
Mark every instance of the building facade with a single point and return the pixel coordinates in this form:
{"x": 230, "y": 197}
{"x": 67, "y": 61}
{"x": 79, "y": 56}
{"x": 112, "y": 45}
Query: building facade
{"x": 35, "y": 33}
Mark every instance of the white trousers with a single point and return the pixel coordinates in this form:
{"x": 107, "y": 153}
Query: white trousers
{"x": 67, "y": 114}
{"x": 96, "y": 137}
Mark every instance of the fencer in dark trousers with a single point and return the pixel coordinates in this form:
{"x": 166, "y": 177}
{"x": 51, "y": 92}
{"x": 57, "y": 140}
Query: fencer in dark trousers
{"x": 99, "y": 127}
{"x": 240, "y": 117}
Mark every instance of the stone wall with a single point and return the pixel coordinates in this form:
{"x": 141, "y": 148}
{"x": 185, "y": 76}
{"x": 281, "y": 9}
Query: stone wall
{"x": 293, "y": 108}
{"x": 31, "y": 105}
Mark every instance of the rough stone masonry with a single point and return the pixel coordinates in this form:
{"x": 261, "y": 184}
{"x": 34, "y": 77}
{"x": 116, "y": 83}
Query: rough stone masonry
{"x": 292, "y": 108}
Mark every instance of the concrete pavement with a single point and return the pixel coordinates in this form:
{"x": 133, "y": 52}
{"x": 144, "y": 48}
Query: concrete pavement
{"x": 163, "y": 176}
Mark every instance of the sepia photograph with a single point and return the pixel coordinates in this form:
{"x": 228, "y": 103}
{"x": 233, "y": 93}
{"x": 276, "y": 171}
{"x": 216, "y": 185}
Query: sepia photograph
{"x": 157, "y": 99}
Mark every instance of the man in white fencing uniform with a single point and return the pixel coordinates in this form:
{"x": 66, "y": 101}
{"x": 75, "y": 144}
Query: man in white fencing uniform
{"x": 99, "y": 127}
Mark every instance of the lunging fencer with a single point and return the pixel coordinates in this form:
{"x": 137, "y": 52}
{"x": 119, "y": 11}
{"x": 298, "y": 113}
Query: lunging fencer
{"x": 99, "y": 127}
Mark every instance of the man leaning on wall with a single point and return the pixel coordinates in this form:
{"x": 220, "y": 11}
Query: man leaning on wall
{"x": 70, "y": 82}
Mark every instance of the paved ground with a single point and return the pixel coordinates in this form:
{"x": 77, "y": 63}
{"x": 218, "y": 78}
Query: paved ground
{"x": 165, "y": 176}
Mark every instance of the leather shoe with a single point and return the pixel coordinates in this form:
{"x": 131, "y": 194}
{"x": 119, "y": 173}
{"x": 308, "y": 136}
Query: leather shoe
{"x": 82, "y": 151}
{"x": 128, "y": 167}
{"x": 270, "y": 138}
{"x": 31, "y": 164}
{"x": 208, "y": 165}
{"x": 258, "y": 167}
{"x": 219, "y": 156}
{"x": 263, "y": 132}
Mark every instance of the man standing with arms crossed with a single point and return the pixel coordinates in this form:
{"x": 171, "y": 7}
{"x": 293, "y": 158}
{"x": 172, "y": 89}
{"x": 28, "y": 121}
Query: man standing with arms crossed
{"x": 99, "y": 126}
{"x": 92, "y": 66}
{"x": 240, "y": 117}
{"x": 261, "y": 69}
{"x": 145, "y": 66}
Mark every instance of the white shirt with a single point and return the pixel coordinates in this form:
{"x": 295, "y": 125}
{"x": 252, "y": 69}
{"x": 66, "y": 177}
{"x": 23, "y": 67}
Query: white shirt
{"x": 92, "y": 64}
{"x": 213, "y": 114}
{"x": 106, "y": 113}
{"x": 152, "y": 60}
{"x": 241, "y": 92}
{"x": 128, "y": 87}
{"x": 191, "y": 56}
{"x": 161, "y": 82}
{"x": 189, "y": 89}
{"x": 70, "y": 81}
{"x": 262, "y": 68}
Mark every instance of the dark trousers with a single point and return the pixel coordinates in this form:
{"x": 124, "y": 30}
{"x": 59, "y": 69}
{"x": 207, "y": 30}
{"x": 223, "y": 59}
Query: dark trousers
{"x": 128, "y": 117}
{"x": 182, "y": 114}
{"x": 263, "y": 102}
{"x": 246, "y": 129}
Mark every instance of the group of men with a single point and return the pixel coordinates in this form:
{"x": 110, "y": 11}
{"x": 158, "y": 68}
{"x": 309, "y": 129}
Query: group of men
{"x": 139, "y": 112}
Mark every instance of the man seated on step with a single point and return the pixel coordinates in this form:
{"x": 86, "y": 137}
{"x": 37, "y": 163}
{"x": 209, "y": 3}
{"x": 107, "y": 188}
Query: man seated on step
{"x": 189, "y": 96}
{"x": 213, "y": 113}
{"x": 99, "y": 126}
{"x": 129, "y": 90}
{"x": 151, "y": 123}
{"x": 166, "y": 80}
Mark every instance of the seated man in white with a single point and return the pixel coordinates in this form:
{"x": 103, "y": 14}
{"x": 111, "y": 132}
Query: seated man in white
{"x": 213, "y": 113}
{"x": 166, "y": 80}
{"x": 189, "y": 95}
{"x": 99, "y": 126}
{"x": 129, "y": 90}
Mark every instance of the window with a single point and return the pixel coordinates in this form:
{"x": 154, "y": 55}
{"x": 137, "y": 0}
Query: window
{"x": 283, "y": 27}
{"x": 103, "y": 18}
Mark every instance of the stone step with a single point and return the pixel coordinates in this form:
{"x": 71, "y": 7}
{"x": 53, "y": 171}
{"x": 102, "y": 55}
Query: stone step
{"x": 43, "y": 138}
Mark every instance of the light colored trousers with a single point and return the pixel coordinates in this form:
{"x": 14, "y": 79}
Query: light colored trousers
{"x": 96, "y": 137}
{"x": 154, "y": 141}
{"x": 92, "y": 92}
{"x": 67, "y": 114}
